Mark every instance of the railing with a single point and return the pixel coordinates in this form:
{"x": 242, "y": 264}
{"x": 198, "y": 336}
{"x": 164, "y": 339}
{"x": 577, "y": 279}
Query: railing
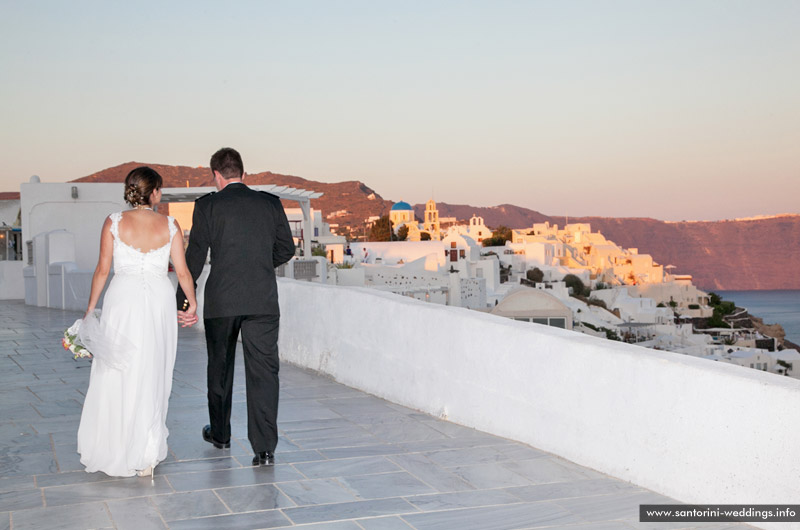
{"x": 690, "y": 428}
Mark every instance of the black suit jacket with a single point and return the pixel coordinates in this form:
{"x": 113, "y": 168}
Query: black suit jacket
{"x": 249, "y": 236}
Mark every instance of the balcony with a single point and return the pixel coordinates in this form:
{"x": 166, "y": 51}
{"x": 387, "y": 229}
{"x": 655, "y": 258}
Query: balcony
{"x": 400, "y": 414}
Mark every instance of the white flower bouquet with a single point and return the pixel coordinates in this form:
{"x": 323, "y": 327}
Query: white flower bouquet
{"x": 89, "y": 338}
{"x": 70, "y": 342}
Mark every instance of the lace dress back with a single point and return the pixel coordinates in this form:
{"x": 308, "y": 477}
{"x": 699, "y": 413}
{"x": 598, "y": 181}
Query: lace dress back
{"x": 123, "y": 424}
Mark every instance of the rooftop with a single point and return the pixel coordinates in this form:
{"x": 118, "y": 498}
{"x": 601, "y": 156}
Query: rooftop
{"x": 346, "y": 460}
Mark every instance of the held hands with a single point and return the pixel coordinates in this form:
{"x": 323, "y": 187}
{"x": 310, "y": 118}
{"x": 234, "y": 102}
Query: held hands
{"x": 188, "y": 316}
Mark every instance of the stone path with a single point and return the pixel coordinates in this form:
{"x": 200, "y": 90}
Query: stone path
{"x": 346, "y": 460}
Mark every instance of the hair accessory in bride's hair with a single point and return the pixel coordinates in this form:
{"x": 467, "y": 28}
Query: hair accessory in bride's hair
{"x": 132, "y": 195}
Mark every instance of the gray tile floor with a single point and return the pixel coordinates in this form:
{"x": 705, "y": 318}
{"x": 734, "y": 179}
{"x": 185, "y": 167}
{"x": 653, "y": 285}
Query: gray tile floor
{"x": 346, "y": 460}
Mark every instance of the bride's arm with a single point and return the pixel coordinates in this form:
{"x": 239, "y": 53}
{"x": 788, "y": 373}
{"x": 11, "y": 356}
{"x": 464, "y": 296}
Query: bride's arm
{"x": 103, "y": 266}
{"x": 189, "y": 316}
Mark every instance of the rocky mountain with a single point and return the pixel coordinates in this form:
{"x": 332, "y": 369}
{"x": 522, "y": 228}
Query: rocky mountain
{"x": 724, "y": 255}
{"x": 347, "y": 204}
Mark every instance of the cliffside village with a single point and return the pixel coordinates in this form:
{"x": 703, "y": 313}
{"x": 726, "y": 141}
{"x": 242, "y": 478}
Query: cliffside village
{"x": 568, "y": 277}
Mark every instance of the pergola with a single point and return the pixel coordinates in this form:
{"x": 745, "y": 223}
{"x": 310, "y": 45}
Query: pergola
{"x": 303, "y": 197}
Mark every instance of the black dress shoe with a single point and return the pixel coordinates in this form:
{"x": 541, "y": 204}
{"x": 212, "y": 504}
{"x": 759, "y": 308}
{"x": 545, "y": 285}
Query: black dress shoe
{"x": 207, "y": 437}
{"x": 264, "y": 459}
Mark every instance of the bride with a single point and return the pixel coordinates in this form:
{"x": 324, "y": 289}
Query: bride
{"x": 123, "y": 424}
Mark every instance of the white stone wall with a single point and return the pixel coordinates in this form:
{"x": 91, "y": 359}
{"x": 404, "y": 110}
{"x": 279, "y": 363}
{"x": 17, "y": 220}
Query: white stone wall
{"x": 403, "y": 279}
{"x": 473, "y": 293}
{"x": 47, "y": 207}
{"x": 12, "y": 286}
{"x": 693, "y": 429}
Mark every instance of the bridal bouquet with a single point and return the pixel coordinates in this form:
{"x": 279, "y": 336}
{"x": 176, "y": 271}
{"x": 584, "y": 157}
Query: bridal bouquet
{"x": 89, "y": 338}
{"x": 70, "y": 342}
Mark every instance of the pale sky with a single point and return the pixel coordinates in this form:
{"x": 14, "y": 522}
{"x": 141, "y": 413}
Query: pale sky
{"x": 666, "y": 109}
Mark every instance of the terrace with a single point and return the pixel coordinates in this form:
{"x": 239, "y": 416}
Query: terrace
{"x": 347, "y": 460}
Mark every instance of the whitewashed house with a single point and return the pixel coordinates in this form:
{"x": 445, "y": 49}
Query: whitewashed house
{"x": 536, "y": 306}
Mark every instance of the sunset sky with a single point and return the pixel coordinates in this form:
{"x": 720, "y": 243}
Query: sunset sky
{"x": 673, "y": 110}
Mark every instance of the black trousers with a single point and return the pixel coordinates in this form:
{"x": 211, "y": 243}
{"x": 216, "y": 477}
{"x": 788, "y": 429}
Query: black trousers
{"x": 261, "y": 365}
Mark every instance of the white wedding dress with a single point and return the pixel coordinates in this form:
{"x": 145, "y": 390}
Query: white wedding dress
{"x": 123, "y": 424}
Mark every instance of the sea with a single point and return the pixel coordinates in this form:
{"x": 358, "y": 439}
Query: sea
{"x": 775, "y": 307}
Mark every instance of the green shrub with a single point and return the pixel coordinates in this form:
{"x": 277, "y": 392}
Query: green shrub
{"x": 575, "y": 283}
{"x": 535, "y": 275}
{"x": 597, "y": 302}
{"x": 726, "y": 308}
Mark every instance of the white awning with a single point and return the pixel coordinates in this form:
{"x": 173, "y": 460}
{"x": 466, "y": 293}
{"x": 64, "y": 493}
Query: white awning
{"x": 191, "y": 194}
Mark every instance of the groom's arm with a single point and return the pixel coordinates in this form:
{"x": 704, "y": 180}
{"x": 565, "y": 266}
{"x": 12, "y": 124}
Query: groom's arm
{"x": 196, "y": 252}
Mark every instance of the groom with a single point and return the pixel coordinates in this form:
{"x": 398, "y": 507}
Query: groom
{"x": 249, "y": 236}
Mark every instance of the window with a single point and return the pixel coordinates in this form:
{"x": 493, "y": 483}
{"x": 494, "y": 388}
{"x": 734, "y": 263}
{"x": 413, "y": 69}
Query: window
{"x": 559, "y": 322}
{"x": 539, "y": 321}
{"x": 11, "y": 244}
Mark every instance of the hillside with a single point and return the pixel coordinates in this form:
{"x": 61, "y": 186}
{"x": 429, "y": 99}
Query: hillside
{"x": 354, "y": 199}
{"x": 724, "y": 255}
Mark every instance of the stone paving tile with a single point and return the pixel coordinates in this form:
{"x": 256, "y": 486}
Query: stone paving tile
{"x": 21, "y": 500}
{"x": 243, "y": 521}
{"x": 489, "y": 476}
{"x": 546, "y": 470}
{"x": 135, "y": 514}
{"x": 466, "y": 456}
{"x": 346, "y": 467}
{"x": 92, "y": 515}
{"x": 385, "y": 485}
{"x": 318, "y": 491}
{"x": 438, "y": 478}
{"x": 26, "y": 444}
{"x": 17, "y": 484}
{"x": 349, "y": 441}
{"x": 462, "y": 499}
{"x": 363, "y": 450}
{"x": 254, "y": 498}
{"x": 384, "y": 523}
{"x": 508, "y": 517}
{"x": 113, "y": 489}
{"x": 226, "y": 478}
{"x": 189, "y": 505}
{"x": 345, "y": 460}
{"x": 348, "y": 510}
{"x": 337, "y": 525}
{"x": 28, "y": 464}
{"x": 569, "y": 490}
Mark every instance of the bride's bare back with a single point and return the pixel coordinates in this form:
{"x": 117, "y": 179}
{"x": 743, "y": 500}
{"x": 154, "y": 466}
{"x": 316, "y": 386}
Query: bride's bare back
{"x": 144, "y": 230}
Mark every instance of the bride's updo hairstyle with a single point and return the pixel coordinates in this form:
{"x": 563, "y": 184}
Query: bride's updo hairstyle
{"x": 140, "y": 184}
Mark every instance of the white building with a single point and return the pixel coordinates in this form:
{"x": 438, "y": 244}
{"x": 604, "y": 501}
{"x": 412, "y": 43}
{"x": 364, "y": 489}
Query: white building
{"x": 641, "y": 310}
{"x": 785, "y": 362}
{"x": 536, "y": 306}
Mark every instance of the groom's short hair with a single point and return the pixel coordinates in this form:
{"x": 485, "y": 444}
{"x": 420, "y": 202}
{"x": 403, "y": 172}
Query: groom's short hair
{"x": 228, "y": 162}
